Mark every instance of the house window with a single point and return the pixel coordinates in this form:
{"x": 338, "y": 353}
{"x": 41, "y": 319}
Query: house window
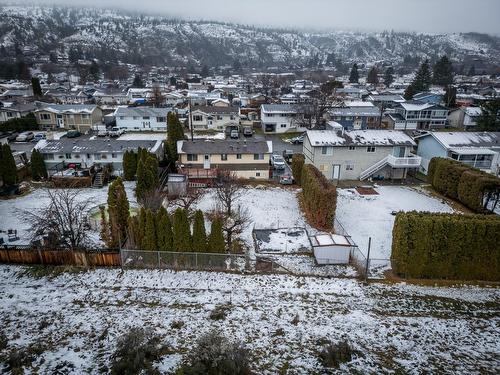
{"x": 67, "y": 156}
{"x": 238, "y": 156}
{"x": 145, "y": 117}
{"x": 45, "y": 116}
{"x": 257, "y": 174}
{"x": 113, "y": 156}
{"x": 77, "y": 156}
{"x": 258, "y": 156}
{"x": 192, "y": 157}
{"x": 349, "y": 167}
{"x": 97, "y": 156}
{"x": 88, "y": 156}
{"x": 10, "y": 114}
{"x": 223, "y": 156}
{"x": 104, "y": 156}
{"x": 61, "y": 156}
{"x": 48, "y": 156}
{"x": 219, "y": 117}
{"x": 135, "y": 117}
{"x": 231, "y": 117}
{"x": 325, "y": 150}
{"x": 370, "y": 149}
{"x": 352, "y": 148}
{"x": 197, "y": 118}
{"x": 283, "y": 125}
{"x": 85, "y": 116}
{"x": 160, "y": 119}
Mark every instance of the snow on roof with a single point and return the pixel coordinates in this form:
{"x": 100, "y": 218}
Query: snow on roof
{"x": 358, "y": 103}
{"x": 142, "y": 111}
{"x": 359, "y": 137}
{"x": 472, "y": 151}
{"x": 466, "y": 139}
{"x": 278, "y": 108}
{"x": 355, "y": 111}
{"x": 330, "y": 239}
{"x": 473, "y": 111}
{"x": 413, "y": 106}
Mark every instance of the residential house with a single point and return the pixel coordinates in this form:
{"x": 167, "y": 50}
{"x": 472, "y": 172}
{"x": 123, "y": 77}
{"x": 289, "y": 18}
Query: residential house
{"x": 138, "y": 95}
{"x": 64, "y": 96}
{"x": 141, "y": 118}
{"x": 110, "y": 97}
{"x": 421, "y": 116}
{"x": 385, "y": 100}
{"x": 81, "y": 117}
{"x": 10, "y": 111}
{"x": 356, "y": 117}
{"x": 210, "y": 117}
{"x": 202, "y": 159}
{"x": 86, "y": 153}
{"x": 173, "y": 99}
{"x": 428, "y": 97}
{"x": 360, "y": 154}
{"x": 281, "y": 118}
{"x": 477, "y": 149}
{"x": 464, "y": 117}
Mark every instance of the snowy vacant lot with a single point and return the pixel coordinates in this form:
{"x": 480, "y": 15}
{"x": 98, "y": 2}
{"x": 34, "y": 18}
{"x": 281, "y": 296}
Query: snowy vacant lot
{"x": 365, "y": 216}
{"x": 10, "y": 215}
{"x": 74, "y": 319}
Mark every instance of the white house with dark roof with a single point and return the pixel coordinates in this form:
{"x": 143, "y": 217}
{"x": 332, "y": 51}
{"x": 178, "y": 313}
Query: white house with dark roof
{"x": 9, "y": 111}
{"x": 213, "y": 117}
{"x": 464, "y": 117}
{"x": 360, "y": 154}
{"x": 141, "y": 118}
{"x": 281, "y": 118}
{"x": 477, "y": 149}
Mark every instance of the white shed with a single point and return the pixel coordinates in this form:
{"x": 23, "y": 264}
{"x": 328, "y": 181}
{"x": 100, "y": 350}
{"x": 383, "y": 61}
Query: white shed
{"x": 331, "y": 248}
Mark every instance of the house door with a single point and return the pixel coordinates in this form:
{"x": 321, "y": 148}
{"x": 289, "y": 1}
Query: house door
{"x": 336, "y": 172}
{"x": 399, "y": 152}
{"x": 206, "y": 162}
{"x": 60, "y": 121}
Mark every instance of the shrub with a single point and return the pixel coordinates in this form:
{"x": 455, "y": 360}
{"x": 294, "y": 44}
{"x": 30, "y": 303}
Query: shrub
{"x": 135, "y": 352}
{"x": 447, "y": 246}
{"x": 220, "y": 312}
{"x": 20, "y": 124}
{"x": 214, "y": 354}
{"x": 319, "y": 197}
{"x": 470, "y": 186}
{"x": 332, "y": 355}
{"x": 297, "y": 165}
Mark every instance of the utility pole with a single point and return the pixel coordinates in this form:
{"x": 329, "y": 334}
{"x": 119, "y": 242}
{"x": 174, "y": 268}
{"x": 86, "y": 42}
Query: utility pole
{"x": 190, "y": 120}
{"x": 368, "y": 259}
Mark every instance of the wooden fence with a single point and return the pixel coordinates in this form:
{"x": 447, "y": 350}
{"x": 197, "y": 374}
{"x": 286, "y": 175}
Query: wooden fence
{"x": 79, "y": 258}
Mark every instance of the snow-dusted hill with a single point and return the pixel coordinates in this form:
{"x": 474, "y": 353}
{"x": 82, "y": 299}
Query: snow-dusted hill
{"x": 133, "y": 38}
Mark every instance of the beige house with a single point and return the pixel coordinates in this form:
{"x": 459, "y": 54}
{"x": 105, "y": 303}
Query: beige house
{"x": 81, "y": 117}
{"x": 203, "y": 158}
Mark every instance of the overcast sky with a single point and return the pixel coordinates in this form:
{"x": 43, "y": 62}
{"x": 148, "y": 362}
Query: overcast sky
{"x": 413, "y": 15}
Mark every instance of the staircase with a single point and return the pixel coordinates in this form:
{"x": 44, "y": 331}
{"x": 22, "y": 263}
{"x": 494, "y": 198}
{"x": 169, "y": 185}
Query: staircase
{"x": 374, "y": 168}
{"x": 98, "y": 180}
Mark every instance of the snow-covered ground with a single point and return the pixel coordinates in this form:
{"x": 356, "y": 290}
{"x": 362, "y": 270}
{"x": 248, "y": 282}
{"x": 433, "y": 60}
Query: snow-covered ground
{"x": 75, "y": 318}
{"x": 37, "y": 199}
{"x": 365, "y": 216}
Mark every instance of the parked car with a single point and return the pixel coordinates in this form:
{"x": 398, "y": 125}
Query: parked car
{"x": 25, "y": 137}
{"x": 247, "y": 131}
{"x": 102, "y": 133}
{"x": 234, "y": 134}
{"x": 73, "y": 134}
{"x": 39, "y": 137}
{"x": 115, "y": 132}
{"x": 297, "y": 140}
{"x": 286, "y": 179}
{"x": 12, "y": 136}
{"x": 287, "y": 154}
{"x": 277, "y": 161}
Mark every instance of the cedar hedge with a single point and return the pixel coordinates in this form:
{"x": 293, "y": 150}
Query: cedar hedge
{"x": 297, "y": 165}
{"x": 446, "y": 246}
{"x": 319, "y": 197}
{"x": 20, "y": 124}
{"x": 461, "y": 182}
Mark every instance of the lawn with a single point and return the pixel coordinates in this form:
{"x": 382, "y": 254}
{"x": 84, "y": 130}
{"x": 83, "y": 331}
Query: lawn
{"x": 73, "y": 320}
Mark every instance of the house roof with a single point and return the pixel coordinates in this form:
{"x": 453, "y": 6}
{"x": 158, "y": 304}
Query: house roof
{"x": 20, "y": 107}
{"x": 320, "y": 138}
{"x": 214, "y": 146}
{"x": 141, "y": 111}
{"x": 416, "y": 105}
{"x": 65, "y": 108}
{"x": 93, "y": 145}
{"x": 354, "y": 111}
{"x": 385, "y": 97}
{"x": 215, "y": 110}
{"x": 278, "y": 108}
{"x": 455, "y": 140}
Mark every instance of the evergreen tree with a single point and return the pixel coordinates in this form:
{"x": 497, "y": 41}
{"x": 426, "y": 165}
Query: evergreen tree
{"x": 175, "y": 133}
{"x": 37, "y": 89}
{"x": 372, "y": 76}
{"x": 150, "y": 242}
{"x": 95, "y": 71}
{"x": 489, "y": 120}
{"x": 443, "y": 72}
{"x": 181, "y": 232}
{"x": 8, "y": 166}
{"x": 38, "y": 168}
{"x": 141, "y": 228}
{"x": 472, "y": 71}
{"x": 354, "y": 76}
{"x": 204, "y": 71}
{"x": 409, "y": 92}
{"x": 129, "y": 165}
{"x": 163, "y": 230}
{"x": 216, "y": 242}
{"x": 134, "y": 235}
{"x": 104, "y": 233}
{"x": 118, "y": 210}
{"x": 389, "y": 76}
{"x": 421, "y": 82}
{"x": 137, "y": 82}
{"x": 450, "y": 97}
{"x": 147, "y": 173}
{"x": 199, "y": 234}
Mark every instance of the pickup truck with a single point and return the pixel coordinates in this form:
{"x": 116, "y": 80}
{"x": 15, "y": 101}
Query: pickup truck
{"x": 115, "y": 132}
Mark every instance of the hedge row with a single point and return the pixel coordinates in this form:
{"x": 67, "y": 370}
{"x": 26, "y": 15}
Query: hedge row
{"x": 461, "y": 182}
{"x": 298, "y": 161}
{"x": 446, "y": 246}
{"x": 20, "y": 124}
{"x": 319, "y": 197}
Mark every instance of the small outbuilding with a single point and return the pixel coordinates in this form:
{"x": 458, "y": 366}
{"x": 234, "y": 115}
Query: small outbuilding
{"x": 331, "y": 248}
{"x": 177, "y": 185}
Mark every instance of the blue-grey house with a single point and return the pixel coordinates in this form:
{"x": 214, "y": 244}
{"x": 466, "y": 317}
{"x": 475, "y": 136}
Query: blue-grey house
{"x": 477, "y": 149}
{"x": 428, "y": 97}
{"x": 356, "y": 118}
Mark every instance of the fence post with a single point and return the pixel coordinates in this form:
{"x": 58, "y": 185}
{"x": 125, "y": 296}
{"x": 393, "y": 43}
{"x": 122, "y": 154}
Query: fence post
{"x": 158, "y": 255}
{"x": 368, "y": 258}
{"x": 196, "y": 260}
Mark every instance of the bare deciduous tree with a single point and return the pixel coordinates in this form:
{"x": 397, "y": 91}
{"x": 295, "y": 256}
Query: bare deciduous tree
{"x": 188, "y": 200}
{"x": 63, "y": 221}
